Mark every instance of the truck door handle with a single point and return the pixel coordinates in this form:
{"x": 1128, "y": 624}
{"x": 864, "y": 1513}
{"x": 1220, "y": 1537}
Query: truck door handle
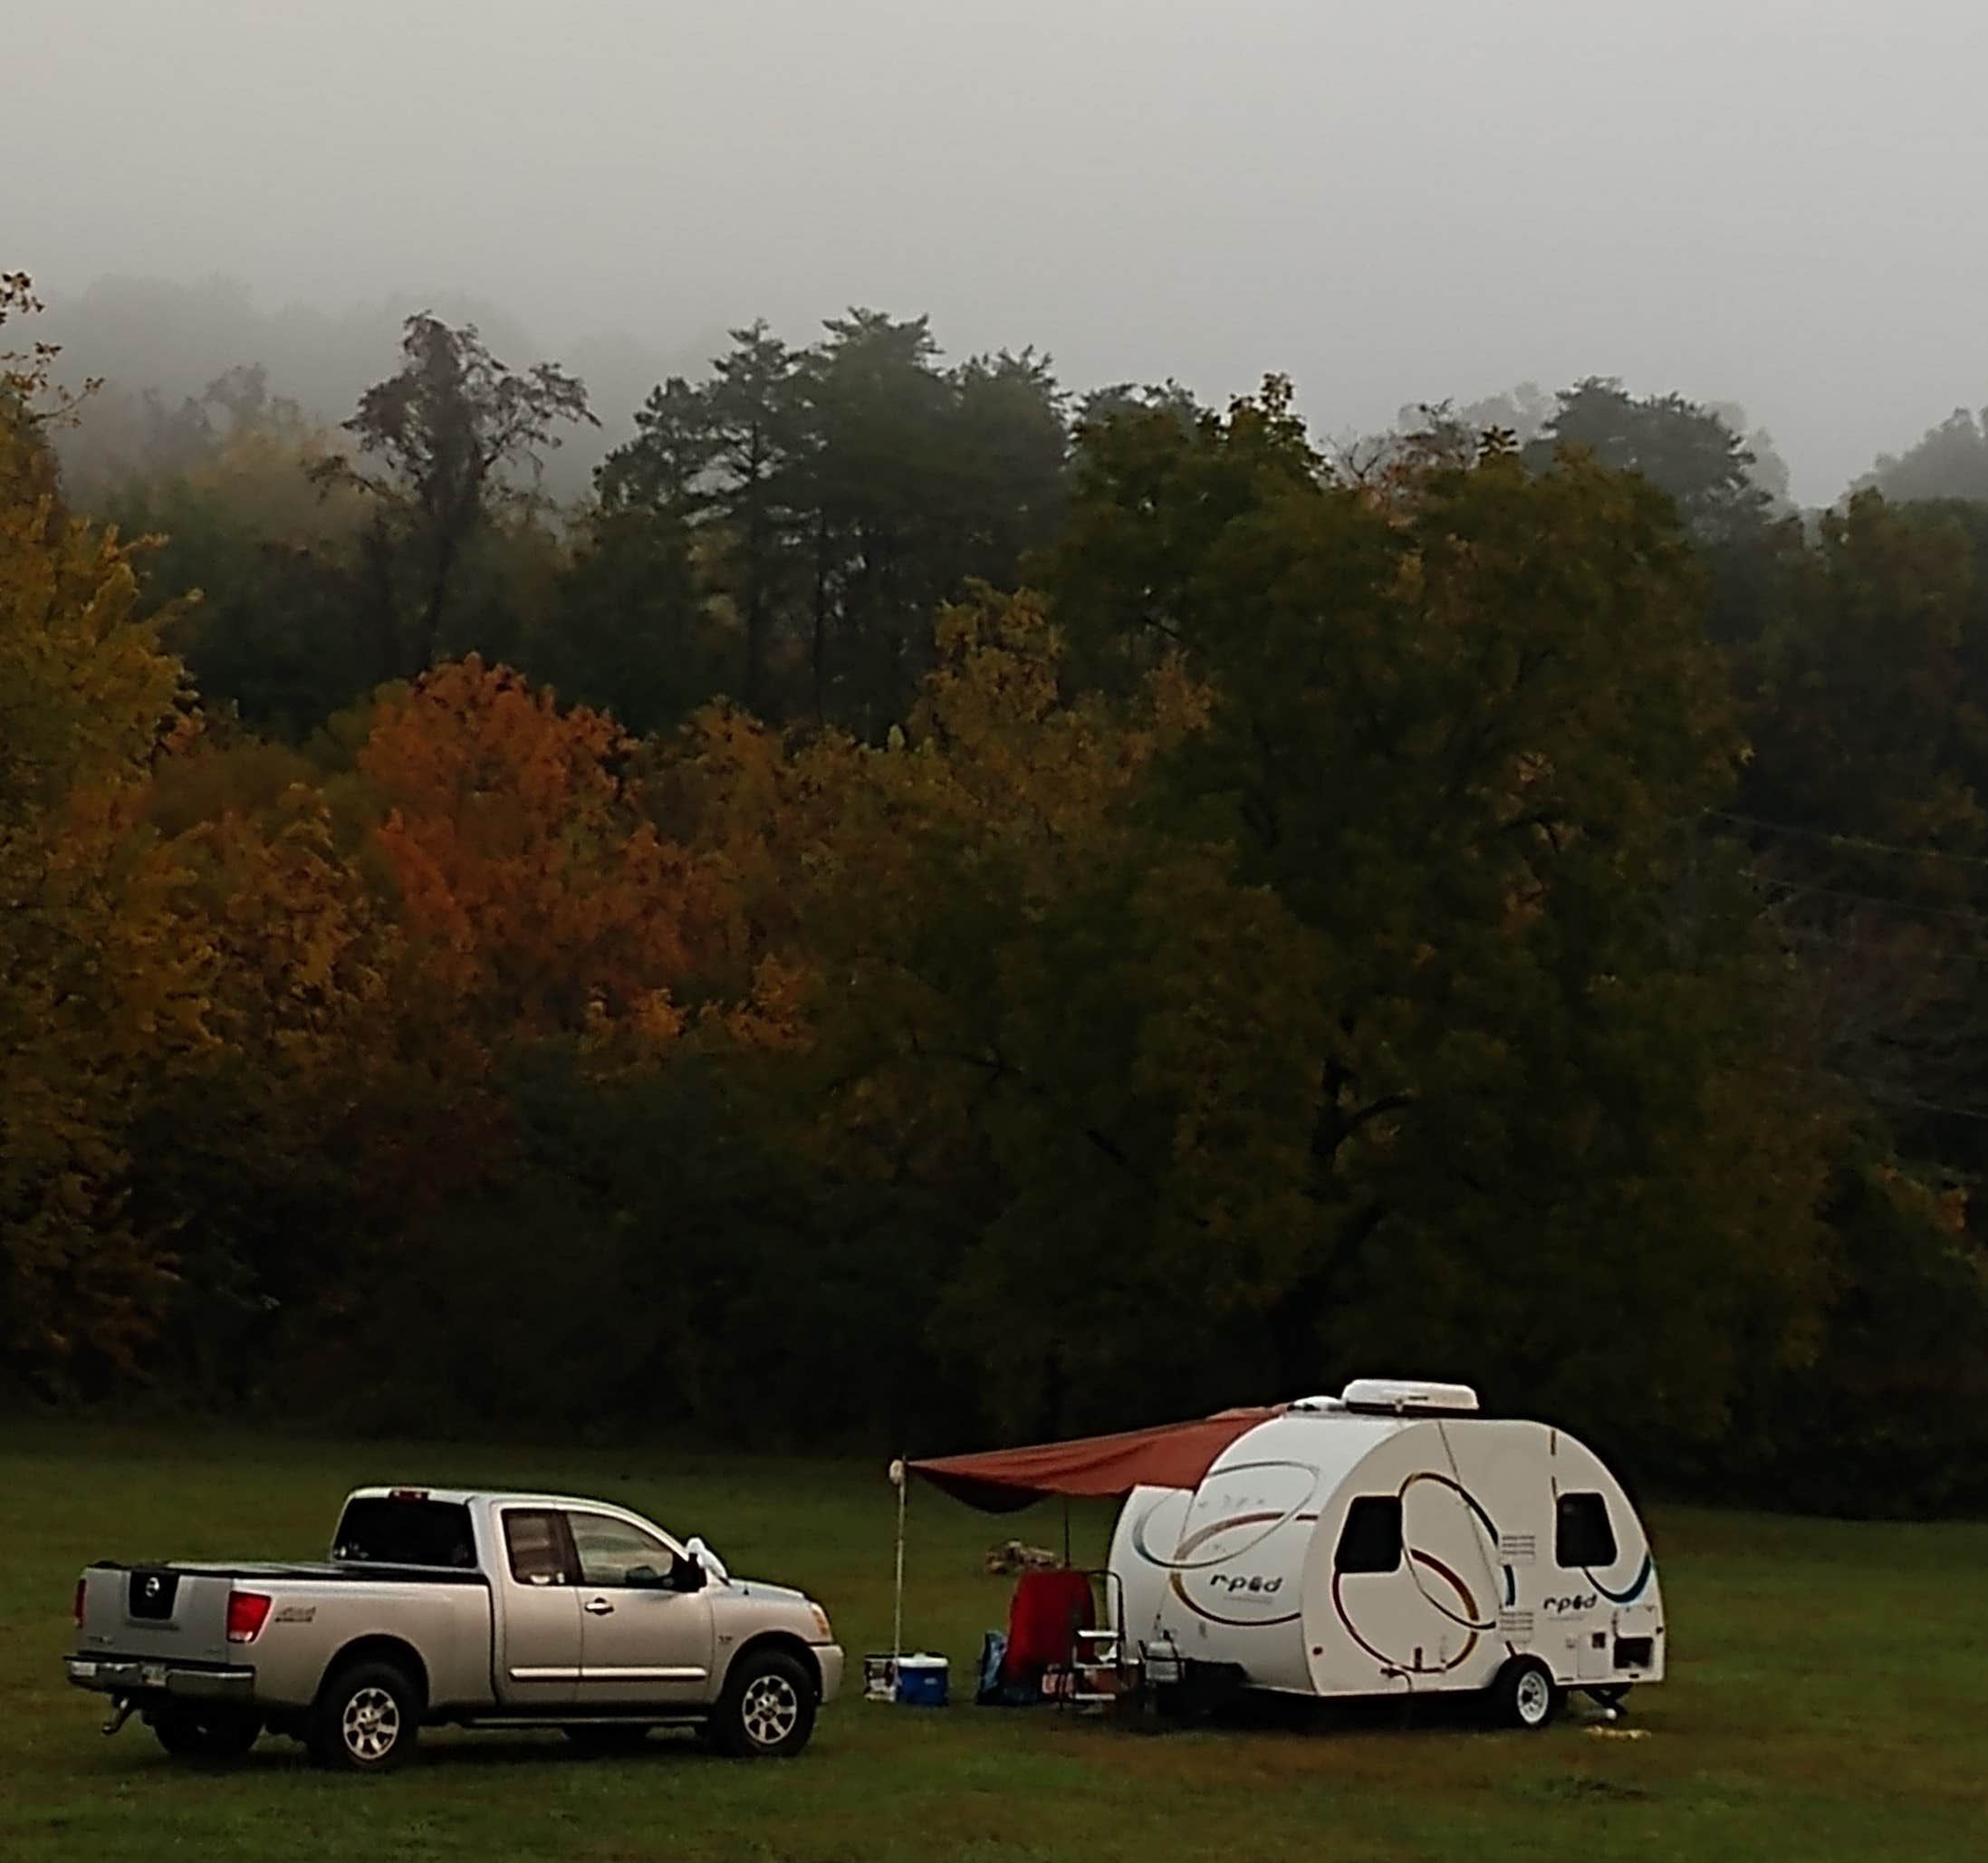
{"x": 598, "y": 1606}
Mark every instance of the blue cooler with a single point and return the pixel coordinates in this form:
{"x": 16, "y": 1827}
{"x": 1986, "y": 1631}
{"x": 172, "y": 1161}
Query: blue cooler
{"x": 921, "y": 1681}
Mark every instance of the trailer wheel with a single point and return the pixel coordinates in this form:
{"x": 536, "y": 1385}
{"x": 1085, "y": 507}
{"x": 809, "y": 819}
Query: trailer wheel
{"x": 203, "y": 1733}
{"x": 767, "y": 1709}
{"x": 1524, "y": 1693}
{"x": 367, "y": 1719}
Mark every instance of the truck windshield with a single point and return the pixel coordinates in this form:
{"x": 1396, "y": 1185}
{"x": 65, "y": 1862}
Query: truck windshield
{"x": 384, "y": 1532}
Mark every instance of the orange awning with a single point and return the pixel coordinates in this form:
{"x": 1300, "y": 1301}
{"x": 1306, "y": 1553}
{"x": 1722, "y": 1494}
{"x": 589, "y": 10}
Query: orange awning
{"x": 1171, "y": 1455}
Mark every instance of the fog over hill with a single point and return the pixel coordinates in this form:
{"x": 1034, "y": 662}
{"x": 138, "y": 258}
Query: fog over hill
{"x": 1759, "y": 201}
{"x": 146, "y": 334}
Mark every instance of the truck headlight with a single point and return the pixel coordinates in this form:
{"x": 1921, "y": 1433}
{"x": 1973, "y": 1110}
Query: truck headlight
{"x": 822, "y": 1634}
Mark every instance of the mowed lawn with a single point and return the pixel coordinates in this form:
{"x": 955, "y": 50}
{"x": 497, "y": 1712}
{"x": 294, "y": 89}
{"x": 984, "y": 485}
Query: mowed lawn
{"x": 1828, "y": 1699}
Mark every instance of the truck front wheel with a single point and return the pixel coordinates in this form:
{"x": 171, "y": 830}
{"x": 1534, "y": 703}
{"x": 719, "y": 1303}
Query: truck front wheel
{"x": 767, "y": 1709}
{"x": 367, "y": 1719}
{"x": 203, "y": 1733}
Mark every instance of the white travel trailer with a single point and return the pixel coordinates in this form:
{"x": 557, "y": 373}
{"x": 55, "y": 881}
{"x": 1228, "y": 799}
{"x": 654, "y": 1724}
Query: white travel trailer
{"x": 1394, "y": 1540}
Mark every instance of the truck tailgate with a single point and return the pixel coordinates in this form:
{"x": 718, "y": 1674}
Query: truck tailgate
{"x": 156, "y": 1611}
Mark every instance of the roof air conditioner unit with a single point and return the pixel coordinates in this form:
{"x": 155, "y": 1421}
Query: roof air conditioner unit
{"x": 1401, "y": 1396}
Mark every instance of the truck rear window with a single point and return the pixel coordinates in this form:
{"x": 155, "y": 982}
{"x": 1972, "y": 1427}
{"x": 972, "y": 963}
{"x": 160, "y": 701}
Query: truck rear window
{"x": 384, "y": 1532}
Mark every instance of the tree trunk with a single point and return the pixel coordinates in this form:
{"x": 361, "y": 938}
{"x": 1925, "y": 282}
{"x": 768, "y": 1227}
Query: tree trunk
{"x": 445, "y": 548}
{"x": 818, "y": 652}
{"x": 755, "y": 614}
{"x": 376, "y": 591}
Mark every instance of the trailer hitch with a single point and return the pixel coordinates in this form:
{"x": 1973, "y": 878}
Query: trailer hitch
{"x": 126, "y": 1707}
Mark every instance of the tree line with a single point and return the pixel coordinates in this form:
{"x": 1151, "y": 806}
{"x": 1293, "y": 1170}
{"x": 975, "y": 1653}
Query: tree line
{"x": 931, "y": 909}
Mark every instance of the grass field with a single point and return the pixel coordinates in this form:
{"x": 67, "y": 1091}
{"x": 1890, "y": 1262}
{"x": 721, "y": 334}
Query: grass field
{"x": 1829, "y": 1700}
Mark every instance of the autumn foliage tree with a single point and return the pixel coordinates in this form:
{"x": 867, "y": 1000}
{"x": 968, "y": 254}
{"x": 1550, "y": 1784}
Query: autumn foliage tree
{"x": 536, "y": 896}
{"x": 1350, "y": 915}
{"x": 94, "y": 986}
{"x": 1364, "y": 1021}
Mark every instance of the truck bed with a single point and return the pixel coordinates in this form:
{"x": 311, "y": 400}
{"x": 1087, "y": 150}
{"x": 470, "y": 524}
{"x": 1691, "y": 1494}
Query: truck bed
{"x": 177, "y": 1612}
{"x": 355, "y": 1572}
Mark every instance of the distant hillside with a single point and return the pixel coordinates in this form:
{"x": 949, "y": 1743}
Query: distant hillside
{"x": 152, "y": 336}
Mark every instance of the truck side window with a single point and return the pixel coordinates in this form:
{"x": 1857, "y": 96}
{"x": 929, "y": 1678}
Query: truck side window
{"x": 1370, "y": 1542}
{"x": 610, "y": 1549}
{"x": 536, "y": 1547}
{"x": 1581, "y": 1533}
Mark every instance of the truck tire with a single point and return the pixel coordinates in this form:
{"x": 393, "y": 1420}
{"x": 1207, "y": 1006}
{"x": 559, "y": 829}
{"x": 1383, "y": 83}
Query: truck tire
{"x": 767, "y": 1709}
{"x": 203, "y": 1733}
{"x": 367, "y": 1719}
{"x": 1524, "y": 1695}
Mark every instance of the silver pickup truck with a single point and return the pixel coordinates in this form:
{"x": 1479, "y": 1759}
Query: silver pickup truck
{"x": 440, "y": 1607}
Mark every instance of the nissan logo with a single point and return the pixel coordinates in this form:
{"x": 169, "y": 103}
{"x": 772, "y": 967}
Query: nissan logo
{"x": 152, "y": 1588}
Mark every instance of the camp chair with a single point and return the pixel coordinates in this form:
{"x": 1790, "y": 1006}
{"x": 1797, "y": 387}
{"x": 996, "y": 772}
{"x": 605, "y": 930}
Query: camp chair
{"x": 1046, "y": 1613}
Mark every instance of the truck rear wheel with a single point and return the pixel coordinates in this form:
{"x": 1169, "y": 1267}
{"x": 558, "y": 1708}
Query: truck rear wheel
{"x": 367, "y": 1719}
{"x": 767, "y": 1709}
{"x": 203, "y": 1733}
{"x": 1524, "y": 1693}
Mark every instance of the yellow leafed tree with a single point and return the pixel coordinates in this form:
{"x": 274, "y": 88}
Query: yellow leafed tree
{"x": 97, "y": 979}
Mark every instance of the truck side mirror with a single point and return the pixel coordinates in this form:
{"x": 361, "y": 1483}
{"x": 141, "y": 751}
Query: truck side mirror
{"x": 685, "y": 1574}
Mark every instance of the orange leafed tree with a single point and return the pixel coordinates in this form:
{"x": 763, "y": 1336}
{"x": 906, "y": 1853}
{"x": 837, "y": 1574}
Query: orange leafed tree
{"x": 537, "y": 896}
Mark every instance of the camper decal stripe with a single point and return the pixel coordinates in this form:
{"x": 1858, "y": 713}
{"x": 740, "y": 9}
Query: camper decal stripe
{"x": 1470, "y": 1622}
{"x": 1644, "y": 1573}
{"x": 1180, "y": 1562}
{"x": 1484, "y": 1520}
{"x": 1393, "y": 1663}
{"x": 1234, "y": 1623}
{"x": 1207, "y": 1533}
{"x": 1475, "y": 1621}
{"x": 1634, "y": 1591}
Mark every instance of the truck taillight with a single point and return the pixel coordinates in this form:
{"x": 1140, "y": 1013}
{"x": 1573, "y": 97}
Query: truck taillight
{"x": 82, "y": 1586}
{"x": 248, "y": 1613}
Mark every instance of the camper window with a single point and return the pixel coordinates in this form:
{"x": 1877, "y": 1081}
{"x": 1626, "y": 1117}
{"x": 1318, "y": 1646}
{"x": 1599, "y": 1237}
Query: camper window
{"x": 1371, "y": 1539}
{"x": 1581, "y": 1533}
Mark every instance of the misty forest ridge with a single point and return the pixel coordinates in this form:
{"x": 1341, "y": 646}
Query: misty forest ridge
{"x": 1352, "y": 737}
{"x": 909, "y": 853}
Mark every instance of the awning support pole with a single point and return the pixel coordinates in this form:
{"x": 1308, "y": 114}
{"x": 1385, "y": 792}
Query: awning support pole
{"x": 900, "y": 1476}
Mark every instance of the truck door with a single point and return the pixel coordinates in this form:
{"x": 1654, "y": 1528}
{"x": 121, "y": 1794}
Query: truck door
{"x": 642, "y": 1644}
{"x": 536, "y": 1661}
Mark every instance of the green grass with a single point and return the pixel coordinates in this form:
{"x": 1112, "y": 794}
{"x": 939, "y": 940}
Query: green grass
{"x": 1829, "y": 1700}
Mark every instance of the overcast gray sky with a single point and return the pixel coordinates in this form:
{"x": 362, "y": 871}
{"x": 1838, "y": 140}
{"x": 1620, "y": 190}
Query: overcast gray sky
{"x": 1775, "y": 202}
